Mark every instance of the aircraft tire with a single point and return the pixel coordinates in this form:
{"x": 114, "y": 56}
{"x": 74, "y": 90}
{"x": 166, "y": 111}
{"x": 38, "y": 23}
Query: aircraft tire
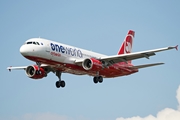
{"x": 58, "y": 84}
{"x": 95, "y": 79}
{"x": 100, "y": 79}
{"x": 63, "y": 83}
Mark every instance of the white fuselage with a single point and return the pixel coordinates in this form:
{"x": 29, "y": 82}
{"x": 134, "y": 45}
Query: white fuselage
{"x": 55, "y": 51}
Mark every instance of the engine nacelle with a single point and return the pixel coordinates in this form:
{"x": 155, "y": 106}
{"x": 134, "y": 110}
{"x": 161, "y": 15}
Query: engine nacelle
{"x": 92, "y": 64}
{"x": 31, "y": 71}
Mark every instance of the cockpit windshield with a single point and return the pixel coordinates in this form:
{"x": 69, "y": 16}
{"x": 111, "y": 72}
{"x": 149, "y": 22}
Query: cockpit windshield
{"x": 29, "y": 43}
{"x": 32, "y": 42}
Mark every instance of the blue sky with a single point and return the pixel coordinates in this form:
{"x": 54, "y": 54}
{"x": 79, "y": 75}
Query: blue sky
{"x": 99, "y": 26}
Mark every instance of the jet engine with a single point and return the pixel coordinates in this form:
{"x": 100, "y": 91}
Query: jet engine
{"x": 92, "y": 64}
{"x": 32, "y": 72}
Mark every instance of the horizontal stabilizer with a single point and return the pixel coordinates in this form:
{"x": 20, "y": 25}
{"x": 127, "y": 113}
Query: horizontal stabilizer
{"x": 145, "y": 65}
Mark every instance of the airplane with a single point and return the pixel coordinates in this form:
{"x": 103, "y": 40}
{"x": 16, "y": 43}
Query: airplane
{"x": 51, "y": 56}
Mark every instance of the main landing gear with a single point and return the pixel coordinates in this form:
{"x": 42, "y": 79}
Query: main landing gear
{"x": 59, "y": 83}
{"x": 97, "y": 79}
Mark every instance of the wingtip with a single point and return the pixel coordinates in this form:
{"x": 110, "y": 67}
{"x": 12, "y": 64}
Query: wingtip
{"x": 176, "y": 47}
{"x": 9, "y": 68}
{"x": 173, "y": 47}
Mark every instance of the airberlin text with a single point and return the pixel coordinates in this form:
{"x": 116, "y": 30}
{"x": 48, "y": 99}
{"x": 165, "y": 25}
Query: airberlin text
{"x": 55, "y": 54}
{"x": 66, "y": 50}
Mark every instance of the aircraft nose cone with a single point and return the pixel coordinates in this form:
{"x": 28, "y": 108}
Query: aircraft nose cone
{"x": 23, "y": 50}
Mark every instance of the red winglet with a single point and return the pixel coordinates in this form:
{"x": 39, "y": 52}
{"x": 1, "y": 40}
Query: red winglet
{"x": 176, "y": 47}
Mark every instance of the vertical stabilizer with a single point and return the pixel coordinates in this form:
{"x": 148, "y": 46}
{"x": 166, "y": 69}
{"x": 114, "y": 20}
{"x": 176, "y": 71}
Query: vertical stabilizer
{"x": 126, "y": 46}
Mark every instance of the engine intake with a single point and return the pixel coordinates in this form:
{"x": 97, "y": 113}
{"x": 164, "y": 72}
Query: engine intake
{"x": 31, "y": 72}
{"x": 92, "y": 64}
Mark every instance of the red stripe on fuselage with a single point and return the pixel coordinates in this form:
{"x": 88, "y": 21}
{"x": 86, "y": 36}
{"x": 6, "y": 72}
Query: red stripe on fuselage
{"x": 114, "y": 70}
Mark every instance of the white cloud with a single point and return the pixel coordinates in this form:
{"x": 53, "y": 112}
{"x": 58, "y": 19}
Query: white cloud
{"x": 178, "y": 97}
{"x": 165, "y": 114}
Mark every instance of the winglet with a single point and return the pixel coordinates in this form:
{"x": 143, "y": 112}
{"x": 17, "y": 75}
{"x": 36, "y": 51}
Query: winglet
{"x": 176, "y": 47}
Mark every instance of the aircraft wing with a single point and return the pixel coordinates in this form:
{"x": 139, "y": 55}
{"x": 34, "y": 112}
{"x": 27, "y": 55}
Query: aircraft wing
{"x": 109, "y": 60}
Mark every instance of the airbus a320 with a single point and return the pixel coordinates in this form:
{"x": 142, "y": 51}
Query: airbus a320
{"x": 51, "y": 56}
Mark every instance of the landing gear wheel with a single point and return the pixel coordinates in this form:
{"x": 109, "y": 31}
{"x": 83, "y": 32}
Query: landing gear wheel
{"x": 95, "y": 79}
{"x": 100, "y": 78}
{"x": 58, "y": 84}
{"x": 63, "y": 84}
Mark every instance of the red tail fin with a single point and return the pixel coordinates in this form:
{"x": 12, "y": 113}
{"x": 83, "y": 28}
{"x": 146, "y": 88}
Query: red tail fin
{"x": 126, "y": 46}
